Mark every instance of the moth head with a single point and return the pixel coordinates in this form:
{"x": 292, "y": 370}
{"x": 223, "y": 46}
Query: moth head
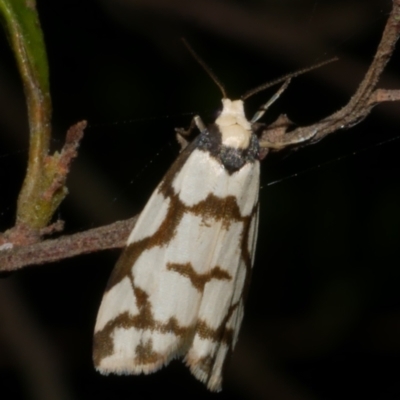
{"x": 232, "y": 123}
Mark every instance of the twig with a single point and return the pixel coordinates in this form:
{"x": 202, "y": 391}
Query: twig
{"x": 360, "y": 105}
{"x": 106, "y": 237}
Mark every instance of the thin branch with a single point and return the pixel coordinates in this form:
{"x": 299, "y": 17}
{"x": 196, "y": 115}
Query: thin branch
{"x": 106, "y": 237}
{"x": 360, "y": 105}
{"x": 381, "y": 95}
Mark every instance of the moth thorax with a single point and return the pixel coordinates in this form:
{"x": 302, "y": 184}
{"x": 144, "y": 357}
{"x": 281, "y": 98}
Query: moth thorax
{"x": 232, "y": 123}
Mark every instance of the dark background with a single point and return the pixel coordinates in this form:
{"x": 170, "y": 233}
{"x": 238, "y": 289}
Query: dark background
{"x": 323, "y": 313}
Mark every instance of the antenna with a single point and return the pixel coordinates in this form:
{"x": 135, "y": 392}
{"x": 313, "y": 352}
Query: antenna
{"x": 205, "y": 67}
{"x": 285, "y": 78}
{"x": 261, "y": 111}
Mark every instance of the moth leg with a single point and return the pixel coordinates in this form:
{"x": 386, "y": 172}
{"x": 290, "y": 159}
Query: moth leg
{"x": 182, "y": 134}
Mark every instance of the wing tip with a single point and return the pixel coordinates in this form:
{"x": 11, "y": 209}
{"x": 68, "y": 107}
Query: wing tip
{"x": 205, "y": 373}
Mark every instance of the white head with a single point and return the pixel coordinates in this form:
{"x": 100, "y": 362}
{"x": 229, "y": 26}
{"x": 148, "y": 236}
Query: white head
{"x": 233, "y": 124}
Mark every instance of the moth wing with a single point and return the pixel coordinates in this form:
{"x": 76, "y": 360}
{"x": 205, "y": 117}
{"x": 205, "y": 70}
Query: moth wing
{"x": 127, "y": 337}
{"x": 221, "y": 310}
{"x": 177, "y": 288}
{"x": 220, "y": 317}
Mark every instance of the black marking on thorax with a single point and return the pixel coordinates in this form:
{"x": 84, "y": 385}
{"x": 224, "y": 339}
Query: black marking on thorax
{"x": 231, "y": 158}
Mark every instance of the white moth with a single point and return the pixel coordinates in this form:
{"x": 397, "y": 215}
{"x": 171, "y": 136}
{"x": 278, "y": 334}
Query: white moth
{"x": 177, "y": 289}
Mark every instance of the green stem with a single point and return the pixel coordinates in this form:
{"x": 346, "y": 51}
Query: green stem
{"x": 21, "y": 22}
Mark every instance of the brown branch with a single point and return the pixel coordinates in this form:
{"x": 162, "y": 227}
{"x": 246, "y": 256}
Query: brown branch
{"x": 359, "y": 106}
{"x": 381, "y": 95}
{"x": 106, "y": 237}
{"x": 63, "y": 162}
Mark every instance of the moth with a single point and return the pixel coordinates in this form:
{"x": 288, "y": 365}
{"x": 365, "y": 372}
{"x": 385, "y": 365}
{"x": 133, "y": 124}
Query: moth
{"x": 178, "y": 288}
